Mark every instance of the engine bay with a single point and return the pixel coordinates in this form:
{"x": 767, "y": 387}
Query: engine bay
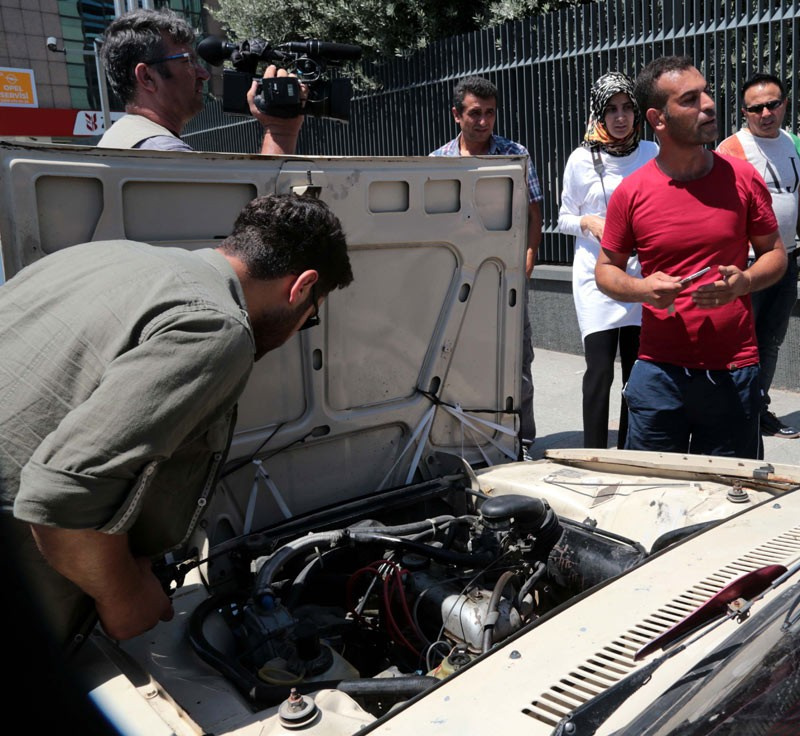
{"x": 331, "y": 620}
{"x": 382, "y": 607}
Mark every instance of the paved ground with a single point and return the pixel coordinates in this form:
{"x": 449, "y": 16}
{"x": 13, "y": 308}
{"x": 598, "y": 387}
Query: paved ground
{"x": 557, "y": 407}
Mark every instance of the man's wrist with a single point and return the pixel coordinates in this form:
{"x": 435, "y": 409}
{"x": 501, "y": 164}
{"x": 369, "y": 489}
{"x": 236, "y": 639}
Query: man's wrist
{"x": 280, "y": 136}
{"x": 748, "y": 278}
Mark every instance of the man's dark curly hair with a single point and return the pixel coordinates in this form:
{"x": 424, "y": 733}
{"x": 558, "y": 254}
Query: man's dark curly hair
{"x": 477, "y": 86}
{"x": 138, "y": 37}
{"x": 646, "y": 87}
{"x": 280, "y": 234}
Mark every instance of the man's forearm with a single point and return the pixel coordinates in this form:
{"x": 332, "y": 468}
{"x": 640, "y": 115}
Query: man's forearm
{"x": 127, "y": 595}
{"x": 615, "y": 283}
{"x": 534, "y": 236}
{"x": 97, "y": 563}
{"x": 530, "y": 261}
{"x": 767, "y": 269}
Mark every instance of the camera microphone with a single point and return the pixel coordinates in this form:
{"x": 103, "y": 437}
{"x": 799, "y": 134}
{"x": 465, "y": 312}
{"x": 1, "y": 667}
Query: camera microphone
{"x": 214, "y": 50}
{"x": 326, "y": 49}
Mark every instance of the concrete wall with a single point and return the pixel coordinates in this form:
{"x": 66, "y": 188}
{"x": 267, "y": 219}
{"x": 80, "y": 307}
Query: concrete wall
{"x": 555, "y": 326}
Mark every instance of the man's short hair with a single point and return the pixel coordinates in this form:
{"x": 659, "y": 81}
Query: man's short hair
{"x": 646, "y": 87}
{"x": 281, "y": 234}
{"x": 764, "y": 78}
{"x": 477, "y": 86}
{"x": 138, "y": 37}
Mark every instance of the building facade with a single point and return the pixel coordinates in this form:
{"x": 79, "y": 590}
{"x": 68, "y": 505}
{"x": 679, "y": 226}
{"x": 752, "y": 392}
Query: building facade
{"x": 49, "y": 67}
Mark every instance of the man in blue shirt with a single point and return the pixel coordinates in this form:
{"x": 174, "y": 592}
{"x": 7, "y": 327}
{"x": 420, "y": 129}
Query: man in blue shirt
{"x": 475, "y": 111}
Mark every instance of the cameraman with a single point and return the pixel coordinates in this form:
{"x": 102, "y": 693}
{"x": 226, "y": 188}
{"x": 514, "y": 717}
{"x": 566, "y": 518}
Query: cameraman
{"x": 151, "y": 65}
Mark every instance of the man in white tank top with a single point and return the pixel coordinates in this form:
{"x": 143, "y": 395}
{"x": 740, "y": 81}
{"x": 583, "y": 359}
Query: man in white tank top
{"x": 774, "y": 154}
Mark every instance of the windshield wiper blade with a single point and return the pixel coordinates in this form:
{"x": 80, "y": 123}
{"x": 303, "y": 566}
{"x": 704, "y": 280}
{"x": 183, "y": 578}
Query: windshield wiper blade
{"x": 587, "y": 718}
{"x": 745, "y": 587}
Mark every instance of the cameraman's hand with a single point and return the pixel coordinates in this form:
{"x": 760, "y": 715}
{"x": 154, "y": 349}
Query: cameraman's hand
{"x": 280, "y": 134}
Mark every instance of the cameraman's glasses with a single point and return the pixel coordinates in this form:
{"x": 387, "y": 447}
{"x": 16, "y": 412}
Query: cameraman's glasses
{"x": 189, "y": 56}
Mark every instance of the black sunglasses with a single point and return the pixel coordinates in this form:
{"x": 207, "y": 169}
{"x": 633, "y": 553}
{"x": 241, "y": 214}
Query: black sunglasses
{"x": 771, "y": 105}
{"x": 313, "y": 320}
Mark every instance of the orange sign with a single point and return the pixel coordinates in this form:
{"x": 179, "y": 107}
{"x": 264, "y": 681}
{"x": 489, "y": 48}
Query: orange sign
{"x": 17, "y": 88}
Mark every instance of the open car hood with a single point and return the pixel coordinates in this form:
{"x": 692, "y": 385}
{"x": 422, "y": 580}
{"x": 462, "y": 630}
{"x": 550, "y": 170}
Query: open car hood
{"x": 420, "y": 355}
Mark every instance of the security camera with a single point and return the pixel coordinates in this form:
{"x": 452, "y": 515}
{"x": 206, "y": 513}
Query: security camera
{"x": 52, "y": 44}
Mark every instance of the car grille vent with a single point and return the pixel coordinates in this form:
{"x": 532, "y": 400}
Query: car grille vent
{"x": 615, "y": 661}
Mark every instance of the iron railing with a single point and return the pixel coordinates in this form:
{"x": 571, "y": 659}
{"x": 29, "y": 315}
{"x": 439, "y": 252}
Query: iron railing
{"x": 543, "y": 67}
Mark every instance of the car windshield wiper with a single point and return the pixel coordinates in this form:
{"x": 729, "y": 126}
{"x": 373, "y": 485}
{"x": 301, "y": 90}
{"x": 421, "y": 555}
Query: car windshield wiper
{"x": 731, "y": 599}
{"x": 734, "y": 601}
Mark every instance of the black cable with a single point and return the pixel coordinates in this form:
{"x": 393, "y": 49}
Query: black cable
{"x": 438, "y": 402}
{"x": 239, "y": 464}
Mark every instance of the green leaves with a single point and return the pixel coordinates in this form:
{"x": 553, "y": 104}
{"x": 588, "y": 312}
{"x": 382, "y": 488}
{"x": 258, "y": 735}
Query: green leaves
{"x": 381, "y": 28}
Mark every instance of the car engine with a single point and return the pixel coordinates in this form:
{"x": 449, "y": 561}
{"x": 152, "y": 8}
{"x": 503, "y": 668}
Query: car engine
{"x": 383, "y": 609}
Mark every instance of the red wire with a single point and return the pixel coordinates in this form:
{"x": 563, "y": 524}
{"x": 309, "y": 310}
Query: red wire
{"x": 404, "y": 603}
{"x": 392, "y": 587}
{"x": 351, "y": 581}
{"x": 395, "y": 631}
{"x": 395, "y": 588}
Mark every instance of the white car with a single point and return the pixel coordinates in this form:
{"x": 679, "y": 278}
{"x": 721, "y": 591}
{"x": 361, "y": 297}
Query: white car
{"x": 375, "y": 558}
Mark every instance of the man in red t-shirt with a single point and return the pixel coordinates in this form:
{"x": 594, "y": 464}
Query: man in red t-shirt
{"x": 695, "y": 387}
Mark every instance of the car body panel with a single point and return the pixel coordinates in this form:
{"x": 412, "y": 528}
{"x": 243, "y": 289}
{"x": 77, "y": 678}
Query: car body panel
{"x": 435, "y": 324}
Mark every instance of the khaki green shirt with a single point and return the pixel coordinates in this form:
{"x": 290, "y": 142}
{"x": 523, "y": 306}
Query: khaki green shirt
{"x": 120, "y": 368}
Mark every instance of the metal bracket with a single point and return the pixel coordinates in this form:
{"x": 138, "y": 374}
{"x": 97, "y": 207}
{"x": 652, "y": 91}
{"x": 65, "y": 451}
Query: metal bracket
{"x": 763, "y": 472}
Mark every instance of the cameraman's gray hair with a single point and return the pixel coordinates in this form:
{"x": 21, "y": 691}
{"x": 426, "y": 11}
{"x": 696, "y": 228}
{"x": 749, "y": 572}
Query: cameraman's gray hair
{"x": 138, "y": 37}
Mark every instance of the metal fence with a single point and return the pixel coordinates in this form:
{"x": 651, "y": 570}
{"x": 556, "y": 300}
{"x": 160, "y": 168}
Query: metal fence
{"x": 543, "y": 67}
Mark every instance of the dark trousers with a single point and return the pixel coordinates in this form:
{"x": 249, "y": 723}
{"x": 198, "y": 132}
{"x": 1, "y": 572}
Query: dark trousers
{"x": 600, "y": 351}
{"x": 675, "y": 409}
{"x": 772, "y": 308}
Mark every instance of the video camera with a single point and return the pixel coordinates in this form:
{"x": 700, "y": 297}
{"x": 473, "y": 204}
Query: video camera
{"x": 280, "y": 96}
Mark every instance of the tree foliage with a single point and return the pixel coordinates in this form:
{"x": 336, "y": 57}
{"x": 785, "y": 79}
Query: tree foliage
{"x": 383, "y": 28}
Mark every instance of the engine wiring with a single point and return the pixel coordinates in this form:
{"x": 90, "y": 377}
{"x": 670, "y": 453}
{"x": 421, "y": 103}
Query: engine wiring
{"x": 390, "y": 574}
{"x": 397, "y": 617}
{"x": 430, "y": 667}
{"x": 407, "y": 596}
{"x": 465, "y": 588}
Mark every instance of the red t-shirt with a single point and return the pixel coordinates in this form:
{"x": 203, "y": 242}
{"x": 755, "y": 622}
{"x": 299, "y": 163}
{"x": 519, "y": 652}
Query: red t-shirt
{"x": 679, "y": 227}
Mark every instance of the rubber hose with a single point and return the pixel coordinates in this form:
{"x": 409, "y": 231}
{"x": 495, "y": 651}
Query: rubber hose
{"x": 494, "y": 607}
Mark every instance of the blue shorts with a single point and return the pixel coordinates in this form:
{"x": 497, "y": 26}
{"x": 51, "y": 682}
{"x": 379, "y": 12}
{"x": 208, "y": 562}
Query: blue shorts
{"x": 675, "y": 409}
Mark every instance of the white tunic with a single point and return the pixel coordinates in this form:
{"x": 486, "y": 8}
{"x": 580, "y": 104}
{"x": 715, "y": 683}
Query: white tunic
{"x": 583, "y": 195}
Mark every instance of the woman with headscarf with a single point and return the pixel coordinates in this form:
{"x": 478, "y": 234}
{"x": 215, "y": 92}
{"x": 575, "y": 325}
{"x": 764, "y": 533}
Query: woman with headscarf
{"x": 611, "y": 150}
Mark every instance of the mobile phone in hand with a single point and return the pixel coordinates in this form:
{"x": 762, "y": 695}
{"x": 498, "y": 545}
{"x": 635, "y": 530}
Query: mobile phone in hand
{"x": 688, "y": 279}
{"x": 696, "y": 275}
